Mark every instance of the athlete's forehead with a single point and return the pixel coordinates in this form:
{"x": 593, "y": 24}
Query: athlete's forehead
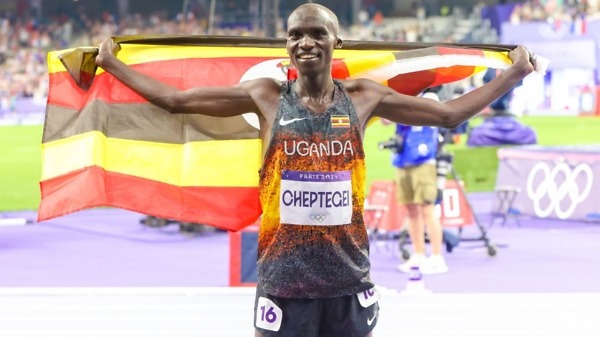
{"x": 310, "y": 17}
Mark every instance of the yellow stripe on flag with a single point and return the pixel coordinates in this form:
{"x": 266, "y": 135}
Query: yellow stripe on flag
{"x": 223, "y": 163}
{"x": 138, "y": 54}
{"x": 361, "y": 64}
{"x": 496, "y": 57}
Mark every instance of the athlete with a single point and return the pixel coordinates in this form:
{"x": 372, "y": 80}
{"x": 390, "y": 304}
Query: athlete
{"x": 313, "y": 263}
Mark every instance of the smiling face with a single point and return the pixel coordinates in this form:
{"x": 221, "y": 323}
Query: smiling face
{"x": 312, "y": 36}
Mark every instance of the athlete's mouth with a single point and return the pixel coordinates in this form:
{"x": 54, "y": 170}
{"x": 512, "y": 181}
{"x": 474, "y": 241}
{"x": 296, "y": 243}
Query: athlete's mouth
{"x": 307, "y": 56}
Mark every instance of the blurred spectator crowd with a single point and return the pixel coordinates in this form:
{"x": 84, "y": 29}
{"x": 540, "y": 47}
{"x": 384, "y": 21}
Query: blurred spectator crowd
{"x": 24, "y": 41}
{"x": 555, "y": 11}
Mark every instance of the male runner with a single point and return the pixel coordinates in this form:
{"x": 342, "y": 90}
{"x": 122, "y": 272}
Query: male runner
{"x": 313, "y": 266}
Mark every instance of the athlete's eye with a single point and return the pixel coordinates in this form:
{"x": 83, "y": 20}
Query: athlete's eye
{"x": 294, "y": 36}
{"x": 320, "y": 34}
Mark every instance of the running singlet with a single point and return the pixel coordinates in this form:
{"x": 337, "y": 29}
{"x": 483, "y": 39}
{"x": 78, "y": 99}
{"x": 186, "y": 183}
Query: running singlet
{"x": 312, "y": 241}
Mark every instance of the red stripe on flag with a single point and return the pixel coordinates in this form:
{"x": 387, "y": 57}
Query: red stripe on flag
{"x": 94, "y": 187}
{"x": 181, "y": 73}
{"x": 415, "y": 82}
{"x": 412, "y": 83}
{"x": 463, "y": 51}
{"x": 339, "y": 70}
{"x": 455, "y": 73}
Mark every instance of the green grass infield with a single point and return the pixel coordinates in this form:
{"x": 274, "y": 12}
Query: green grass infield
{"x": 20, "y": 159}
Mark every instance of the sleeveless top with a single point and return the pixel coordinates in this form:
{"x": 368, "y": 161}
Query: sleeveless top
{"x": 312, "y": 240}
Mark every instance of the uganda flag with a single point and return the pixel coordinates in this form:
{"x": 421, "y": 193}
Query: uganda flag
{"x": 340, "y": 121}
{"x": 104, "y": 145}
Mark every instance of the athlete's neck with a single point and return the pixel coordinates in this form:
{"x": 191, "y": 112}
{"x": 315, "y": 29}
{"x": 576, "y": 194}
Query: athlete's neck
{"x": 315, "y": 89}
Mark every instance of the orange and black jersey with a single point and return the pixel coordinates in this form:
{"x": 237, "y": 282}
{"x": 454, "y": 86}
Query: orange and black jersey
{"x": 312, "y": 241}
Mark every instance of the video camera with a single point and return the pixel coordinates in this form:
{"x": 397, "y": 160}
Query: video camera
{"x": 443, "y": 158}
{"x": 446, "y": 136}
{"x": 394, "y": 144}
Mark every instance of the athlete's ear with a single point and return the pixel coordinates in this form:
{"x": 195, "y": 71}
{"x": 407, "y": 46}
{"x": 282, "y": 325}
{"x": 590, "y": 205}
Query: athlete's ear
{"x": 339, "y": 43}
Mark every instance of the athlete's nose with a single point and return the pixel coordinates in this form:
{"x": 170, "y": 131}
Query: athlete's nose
{"x": 307, "y": 42}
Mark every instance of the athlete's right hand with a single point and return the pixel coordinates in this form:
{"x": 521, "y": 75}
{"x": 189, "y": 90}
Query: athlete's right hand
{"x": 522, "y": 58}
{"x": 106, "y": 49}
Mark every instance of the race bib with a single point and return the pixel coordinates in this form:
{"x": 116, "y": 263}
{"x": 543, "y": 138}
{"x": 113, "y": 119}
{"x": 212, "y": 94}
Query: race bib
{"x": 316, "y": 198}
{"x": 268, "y": 315}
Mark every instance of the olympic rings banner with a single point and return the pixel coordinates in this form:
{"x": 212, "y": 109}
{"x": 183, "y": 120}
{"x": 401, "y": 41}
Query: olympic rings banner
{"x": 554, "y": 182}
{"x": 104, "y": 145}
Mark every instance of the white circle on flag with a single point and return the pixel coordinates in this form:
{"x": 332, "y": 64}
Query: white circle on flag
{"x": 269, "y": 69}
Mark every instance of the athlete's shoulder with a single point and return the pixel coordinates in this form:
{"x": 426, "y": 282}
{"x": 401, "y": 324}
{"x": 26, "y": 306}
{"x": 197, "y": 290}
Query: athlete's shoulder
{"x": 263, "y": 83}
{"x": 361, "y": 85}
{"x": 262, "y": 88}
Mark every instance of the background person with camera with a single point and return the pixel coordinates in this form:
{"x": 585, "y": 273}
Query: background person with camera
{"x": 415, "y": 149}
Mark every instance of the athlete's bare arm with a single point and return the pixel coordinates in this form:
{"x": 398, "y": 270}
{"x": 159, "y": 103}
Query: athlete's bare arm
{"x": 372, "y": 99}
{"x": 258, "y": 95}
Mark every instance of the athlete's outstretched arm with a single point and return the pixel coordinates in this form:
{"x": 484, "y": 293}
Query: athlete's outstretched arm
{"x": 421, "y": 111}
{"x": 212, "y": 101}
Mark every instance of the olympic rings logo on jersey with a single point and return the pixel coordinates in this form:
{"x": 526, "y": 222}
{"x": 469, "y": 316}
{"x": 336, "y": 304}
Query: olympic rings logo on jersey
{"x": 318, "y": 217}
{"x": 555, "y": 191}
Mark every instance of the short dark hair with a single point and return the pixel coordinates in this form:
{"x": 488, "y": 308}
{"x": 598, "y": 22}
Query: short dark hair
{"x": 317, "y": 7}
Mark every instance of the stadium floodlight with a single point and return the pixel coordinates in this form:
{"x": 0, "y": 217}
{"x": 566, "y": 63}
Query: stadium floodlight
{"x": 211, "y": 17}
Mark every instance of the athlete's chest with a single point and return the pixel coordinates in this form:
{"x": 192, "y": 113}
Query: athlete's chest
{"x": 315, "y": 107}
{"x": 295, "y": 116}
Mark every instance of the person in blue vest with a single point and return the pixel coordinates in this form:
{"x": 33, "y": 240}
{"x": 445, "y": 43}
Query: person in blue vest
{"x": 417, "y": 188}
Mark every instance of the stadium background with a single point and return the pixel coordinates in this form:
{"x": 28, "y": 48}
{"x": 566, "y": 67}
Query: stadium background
{"x": 32, "y": 28}
{"x": 100, "y": 273}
